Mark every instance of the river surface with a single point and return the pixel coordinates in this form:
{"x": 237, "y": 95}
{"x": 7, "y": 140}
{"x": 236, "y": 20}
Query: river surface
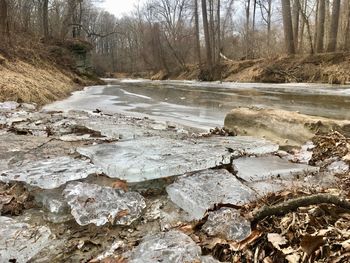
{"x": 205, "y": 104}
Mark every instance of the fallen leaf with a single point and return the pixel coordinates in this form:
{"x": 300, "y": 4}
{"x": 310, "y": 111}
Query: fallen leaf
{"x": 120, "y": 184}
{"x": 276, "y": 240}
{"x": 122, "y": 213}
{"x": 293, "y": 258}
{"x": 310, "y": 244}
{"x": 346, "y": 245}
{"x": 254, "y": 235}
{"x": 267, "y": 260}
{"x": 187, "y": 229}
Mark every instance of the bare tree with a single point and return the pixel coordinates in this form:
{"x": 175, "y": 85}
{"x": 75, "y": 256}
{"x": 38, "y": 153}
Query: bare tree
{"x": 196, "y": 19}
{"x": 296, "y": 15}
{"x": 333, "y": 30}
{"x": 46, "y": 18}
{"x": 288, "y": 26}
{"x": 320, "y": 26}
{"x": 206, "y": 34}
{"x": 3, "y": 18}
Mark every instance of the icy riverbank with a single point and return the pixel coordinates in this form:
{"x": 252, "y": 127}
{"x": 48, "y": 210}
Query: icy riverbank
{"x": 95, "y": 185}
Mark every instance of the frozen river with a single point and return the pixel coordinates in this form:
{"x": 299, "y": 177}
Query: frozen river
{"x": 205, "y": 104}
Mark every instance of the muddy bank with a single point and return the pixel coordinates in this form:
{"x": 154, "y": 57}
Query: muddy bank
{"x": 329, "y": 68}
{"x": 280, "y": 126}
{"x": 41, "y": 73}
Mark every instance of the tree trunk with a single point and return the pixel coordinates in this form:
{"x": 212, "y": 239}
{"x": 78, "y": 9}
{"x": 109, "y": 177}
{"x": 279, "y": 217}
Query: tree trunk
{"x": 3, "y": 18}
{"x": 46, "y": 19}
{"x": 68, "y": 19}
{"x": 198, "y": 45}
{"x": 333, "y": 30}
{"x": 288, "y": 27}
{"x": 347, "y": 31}
{"x": 206, "y": 34}
{"x": 253, "y": 29}
{"x": 307, "y": 23}
{"x": 212, "y": 30}
{"x": 218, "y": 31}
{"x": 320, "y": 26}
{"x": 296, "y": 15}
{"x": 247, "y": 29}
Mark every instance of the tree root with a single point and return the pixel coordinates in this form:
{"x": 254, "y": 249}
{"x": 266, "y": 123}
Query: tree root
{"x": 293, "y": 204}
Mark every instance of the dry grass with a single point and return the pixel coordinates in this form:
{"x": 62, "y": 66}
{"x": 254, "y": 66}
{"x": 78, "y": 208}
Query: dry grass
{"x": 24, "y": 82}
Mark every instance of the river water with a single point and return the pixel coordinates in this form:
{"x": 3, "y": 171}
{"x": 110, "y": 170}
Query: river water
{"x": 205, "y": 104}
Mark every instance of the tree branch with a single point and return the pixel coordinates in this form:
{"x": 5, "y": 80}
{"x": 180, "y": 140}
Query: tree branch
{"x": 293, "y": 204}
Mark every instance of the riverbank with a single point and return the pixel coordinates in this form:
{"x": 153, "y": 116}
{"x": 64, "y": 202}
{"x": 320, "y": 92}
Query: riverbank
{"x": 40, "y": 73}
{"x": 332, "y": 68}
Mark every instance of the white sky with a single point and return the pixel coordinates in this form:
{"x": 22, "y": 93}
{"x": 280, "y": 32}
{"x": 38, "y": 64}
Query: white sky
{"x": 119, "y": 7}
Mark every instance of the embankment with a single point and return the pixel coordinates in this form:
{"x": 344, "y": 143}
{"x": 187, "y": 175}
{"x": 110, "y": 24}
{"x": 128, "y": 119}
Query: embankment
{"x": 42, "y": 73}
{"x": 333, "y": 68}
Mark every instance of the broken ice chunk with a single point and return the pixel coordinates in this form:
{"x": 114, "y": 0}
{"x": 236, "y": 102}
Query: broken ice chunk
{"x": 338, "y": 167}
{"x": 264, "y": 168}
{"x": 155, "y": 157}
{"x": 151, "y": 158}
{"x": 227, "y": 223}
{"x": 199, "y": 192}
{"x": 93, "y": 204}
{"x": 50, "y": 173}
{"x": 9, "y": 105}
{"x": 208, "y": 259}
{"x": 169, "y": 247}
{"x": 241, "y": 145}
{"x": 19, "y": 242}
{"x": 57, "y": 209}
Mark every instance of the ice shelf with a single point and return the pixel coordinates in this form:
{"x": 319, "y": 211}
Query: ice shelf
{"x": 155, "y": 157}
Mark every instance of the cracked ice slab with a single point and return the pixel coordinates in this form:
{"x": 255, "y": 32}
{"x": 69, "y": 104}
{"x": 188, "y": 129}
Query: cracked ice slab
{"x": 93, "y": 204}
{"x": 271, "y": 167}
{"x": 199, "y": 192}
{"x": 169, "y": 247}
{"x": 19, "y": 242}
{"x": 155, "y": 157}
{"x": 50, "y": 173}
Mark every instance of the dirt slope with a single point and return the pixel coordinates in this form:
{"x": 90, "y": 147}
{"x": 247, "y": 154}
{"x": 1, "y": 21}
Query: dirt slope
{"x": 333, "y": 68}
{"x": 40, "y": 74}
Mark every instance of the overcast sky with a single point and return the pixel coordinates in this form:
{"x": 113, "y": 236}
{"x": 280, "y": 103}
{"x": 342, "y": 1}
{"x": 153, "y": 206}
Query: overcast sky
{"x": 119, "y": 7}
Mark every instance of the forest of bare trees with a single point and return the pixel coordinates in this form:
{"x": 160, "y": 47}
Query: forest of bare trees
{"x": 170, "y": 35}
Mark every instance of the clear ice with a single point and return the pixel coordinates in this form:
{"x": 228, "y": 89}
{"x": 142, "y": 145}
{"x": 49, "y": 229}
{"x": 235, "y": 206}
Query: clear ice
{"x": 199, "y": 192}
{"x": 93, "y": 204}
{"x": 155, "y": 157}
{"x": 50, "y": 173}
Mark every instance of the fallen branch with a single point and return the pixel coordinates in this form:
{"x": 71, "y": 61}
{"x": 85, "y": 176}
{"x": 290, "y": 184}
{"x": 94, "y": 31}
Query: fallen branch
{"x": 225, "y": 58}
{"x": 293, "y": 204}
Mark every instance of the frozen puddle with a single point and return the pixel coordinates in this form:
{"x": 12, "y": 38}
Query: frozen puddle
{"x": 155, "y": 157}
{"x": 19, "y": 242}
{"x": 271, "y": 167}
{"x": 50, "y": 173}
{"x": 93, "y": 204}
{"x": 197, "y": 193}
